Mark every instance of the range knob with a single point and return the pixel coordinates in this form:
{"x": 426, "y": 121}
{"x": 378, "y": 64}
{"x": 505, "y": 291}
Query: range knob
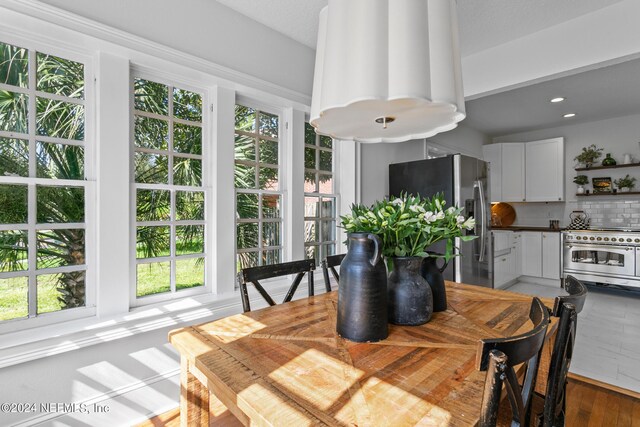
{"x": 606, "y": 239}
{"x": 578, "y": 237}
{"x": 592, "y": 238}
{"x": 599, "y": 238}
{"x": 637, "y": 240}
{"x": 628, "y": 240}
{"x": 613, "y": 239}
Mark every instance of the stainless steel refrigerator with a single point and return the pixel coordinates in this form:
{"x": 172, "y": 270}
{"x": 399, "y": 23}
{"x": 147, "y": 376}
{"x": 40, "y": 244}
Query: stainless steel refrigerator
{"x": 464, "y": 181}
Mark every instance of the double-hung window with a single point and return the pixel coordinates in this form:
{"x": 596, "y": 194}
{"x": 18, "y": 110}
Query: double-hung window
{"x": 319, "y": 195}
{"x": 43, "y": 186}
{"x": 169, "y": 192}
{"x": 258, "y": 188}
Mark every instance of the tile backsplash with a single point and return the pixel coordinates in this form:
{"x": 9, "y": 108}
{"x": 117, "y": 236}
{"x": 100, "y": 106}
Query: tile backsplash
{"x": 604, "y": 211}
{"x": 612, "y": 213}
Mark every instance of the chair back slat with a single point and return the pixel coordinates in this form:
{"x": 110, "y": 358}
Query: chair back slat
{"x": 253, "y": 275}
{"x": 329, "y": 264}
{"x": 524, "y": 348}
{"x": 577, "y": 295}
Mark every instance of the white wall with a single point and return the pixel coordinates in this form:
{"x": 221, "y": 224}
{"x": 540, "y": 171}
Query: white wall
{"x": 376, "y": 158}
{"x": 617, "y": 136}
{"x": 463, "y": 139}
{"x": 209, "y": 30}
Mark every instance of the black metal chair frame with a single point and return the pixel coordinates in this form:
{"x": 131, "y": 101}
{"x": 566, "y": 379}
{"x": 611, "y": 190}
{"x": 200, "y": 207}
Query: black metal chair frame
{"x": 565, "y": 307}
{"x": 499, "y": 356}
{"x": 553, "y": 414}
{"x": 253, "y": 275}
{"x": 577, "y": 295}
{"x": 329, "y": 264}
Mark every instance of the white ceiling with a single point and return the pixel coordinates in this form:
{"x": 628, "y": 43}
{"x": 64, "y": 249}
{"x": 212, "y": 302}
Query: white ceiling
{"x": 598, "y": 94}
{"x": 483, "y": 23}
{"x": 592, "y": 95}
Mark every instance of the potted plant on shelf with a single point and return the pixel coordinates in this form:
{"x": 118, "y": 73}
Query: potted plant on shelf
{"x": 581, "y": 180}
{"x": 407, "y": 226}
{"x": 625, "y": 184}
{"x": 589, "y": 155}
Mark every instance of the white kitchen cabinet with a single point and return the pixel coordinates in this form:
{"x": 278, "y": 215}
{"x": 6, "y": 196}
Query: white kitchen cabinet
{"x": 502, "y": 270}
{"x": 507, "y": 175}
{"x": 517, "y": 254}
{"x": 513, "y": 172}
{"x": 493, "y": 154}
{"x": 526, "y": 171}
{"x": 504, "y": 261}
{"x": 544, "y": 170}
{"x": 532, "y": 253}
{"x": 551, "y": 255}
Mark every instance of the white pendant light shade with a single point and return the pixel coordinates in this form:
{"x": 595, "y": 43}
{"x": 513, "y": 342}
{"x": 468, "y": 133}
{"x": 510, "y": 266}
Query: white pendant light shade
{"x": 396, "y": 61}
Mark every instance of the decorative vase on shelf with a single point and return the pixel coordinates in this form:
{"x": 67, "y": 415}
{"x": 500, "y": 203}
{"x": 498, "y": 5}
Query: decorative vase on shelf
{"x": 433, "y": 275}
{"x": 624, "y": 189}
{"x": 580, "y": 189}
{"x": 362, "y": 294}
{"x": 608, "y": 161}
{"x": 410, "y": 296}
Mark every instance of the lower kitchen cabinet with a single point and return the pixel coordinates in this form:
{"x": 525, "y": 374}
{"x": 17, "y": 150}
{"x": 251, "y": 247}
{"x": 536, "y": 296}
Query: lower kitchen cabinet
{"x": 503, "y": 270}
{"x": 532, "y": 253}
{"x": 551, "y": 255}
{"x": 525, "y": 253}
{"x": 517, "y": 254}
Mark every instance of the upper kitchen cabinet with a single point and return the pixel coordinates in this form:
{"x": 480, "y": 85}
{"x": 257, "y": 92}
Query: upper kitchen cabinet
{"x": 507, "y": 163}
{"x": 513, "y": 172}
{"x": 526, "y": 172}
{"x": 544, "y": 169}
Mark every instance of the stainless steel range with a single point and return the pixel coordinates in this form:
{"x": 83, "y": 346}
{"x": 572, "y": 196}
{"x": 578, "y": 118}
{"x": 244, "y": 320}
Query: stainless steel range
{"x": 607, "y": 257}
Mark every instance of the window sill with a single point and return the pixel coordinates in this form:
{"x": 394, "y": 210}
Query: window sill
{"x": 32, "y": 344}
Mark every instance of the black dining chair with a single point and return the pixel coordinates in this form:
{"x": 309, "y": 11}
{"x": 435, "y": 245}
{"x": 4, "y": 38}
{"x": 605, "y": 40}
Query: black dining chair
{"x": 253, "y": 275}
{"x": 329, "y": 264}
{"x": 565, "y": 307}
{"x": 577, "y": 295}
{"x": 499, "y": 356}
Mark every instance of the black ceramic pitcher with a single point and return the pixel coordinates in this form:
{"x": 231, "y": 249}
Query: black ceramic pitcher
{"x": 362, "y": 294}
{"x": 433, "y": 275}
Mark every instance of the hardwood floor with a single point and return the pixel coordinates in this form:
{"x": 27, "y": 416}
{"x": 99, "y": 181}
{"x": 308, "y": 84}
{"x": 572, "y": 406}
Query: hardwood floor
{"x": 589, "y": 405}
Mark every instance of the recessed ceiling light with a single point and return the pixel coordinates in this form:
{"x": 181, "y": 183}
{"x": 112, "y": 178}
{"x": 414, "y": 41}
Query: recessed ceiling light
{"x": 558, "y": 99}
{"x": 569, "y": 115}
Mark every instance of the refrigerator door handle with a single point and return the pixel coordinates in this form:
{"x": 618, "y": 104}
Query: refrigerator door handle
{"x": 483, "y": 226}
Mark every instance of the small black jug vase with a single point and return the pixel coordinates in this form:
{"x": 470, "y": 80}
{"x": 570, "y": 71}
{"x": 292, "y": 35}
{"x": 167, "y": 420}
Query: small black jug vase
{"x": 410, "y": 298}
{"x": 362, "y": 293}
{"x": 433, "y": 275}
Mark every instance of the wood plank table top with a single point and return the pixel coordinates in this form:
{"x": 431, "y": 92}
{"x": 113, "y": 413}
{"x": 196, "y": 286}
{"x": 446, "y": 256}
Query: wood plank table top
{"x": 285, "y": 365}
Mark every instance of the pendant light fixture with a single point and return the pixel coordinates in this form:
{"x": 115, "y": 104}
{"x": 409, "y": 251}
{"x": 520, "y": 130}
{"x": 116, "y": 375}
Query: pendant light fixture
{"x": 387, "y": 70}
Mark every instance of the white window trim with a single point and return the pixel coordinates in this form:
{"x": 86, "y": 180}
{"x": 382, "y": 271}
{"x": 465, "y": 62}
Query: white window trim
{"x": 37, "y": 44}
{"x": 206, "y": 158}
{"x": 334, "y": 195}
{"x": 283, "y": 171}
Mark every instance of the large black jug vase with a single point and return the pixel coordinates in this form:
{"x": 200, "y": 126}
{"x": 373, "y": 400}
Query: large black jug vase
{"x": 362, "y": 294}
{"x": 433, "y": 275}
{"x": 410, "y": 297}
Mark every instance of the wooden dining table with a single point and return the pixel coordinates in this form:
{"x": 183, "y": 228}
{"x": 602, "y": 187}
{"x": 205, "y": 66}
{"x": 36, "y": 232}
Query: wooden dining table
{"x": 286, "y": 366}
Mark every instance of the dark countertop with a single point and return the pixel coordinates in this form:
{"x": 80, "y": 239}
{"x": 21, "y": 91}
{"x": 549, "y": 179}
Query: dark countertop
{"x": 527, "y": 228}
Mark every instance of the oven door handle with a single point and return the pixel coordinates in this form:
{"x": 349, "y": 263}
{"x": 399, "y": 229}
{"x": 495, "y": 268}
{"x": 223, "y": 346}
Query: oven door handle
{"x": 598, "y": 247}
